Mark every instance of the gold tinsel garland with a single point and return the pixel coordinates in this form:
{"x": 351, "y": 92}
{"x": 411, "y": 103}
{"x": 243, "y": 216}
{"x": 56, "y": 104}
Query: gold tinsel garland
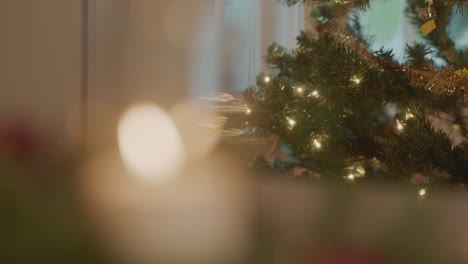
{"x": 447, "y": 81}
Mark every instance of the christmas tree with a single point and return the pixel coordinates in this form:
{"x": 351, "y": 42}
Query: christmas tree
{"x": 338, "y": 110}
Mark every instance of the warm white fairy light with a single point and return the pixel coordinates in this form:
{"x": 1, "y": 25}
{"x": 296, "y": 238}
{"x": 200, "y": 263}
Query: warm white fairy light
{"x": 291, "y": 122}
{"x": 248, "y": 111}
{"x": 317, "y": 144}
{"x": 399, "y": 126}
{"x": 422, "y": 192}
{"x": 267, "y": 79}
{"x": 300, "y": 90}
{"x": 409, "y": 116}
{"x": 356, "y": 80}
{"x": 361, "y": 170}
{"x": 355, "y": 171}
{"x": 315, "y": 93}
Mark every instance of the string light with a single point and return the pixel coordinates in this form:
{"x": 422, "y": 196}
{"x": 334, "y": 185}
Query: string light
{"x": 355, "y": 171}
{"x": 422, "y": 192}
{"x": 300, "y": 90}
{"x": 248, "y": 111}
{"x": 356, "y": 80}
{"x": 317, "y": 144}
{"x": 291, "y": 122}
{"x": 361, "y": 170}
{"x": 409, "y": 115}
{"x": 399, "y": 126}
{"x": 314, "y": 94}
{"x": 267, "y": 79}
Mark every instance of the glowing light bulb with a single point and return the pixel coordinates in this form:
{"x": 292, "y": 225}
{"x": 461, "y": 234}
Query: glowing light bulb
{"x": 317, "y": 144}
{"x": 399, "y": 126}
{"x": 267, "y": 79}
{"x": 409, "y": 116}
{"x": 314, "y": 94}
{"x": 248, "y": 111}
{"x": 291, "y": 122}
{"x": 422, "y": 192}
{"x": 361, "y": 170}
{"x": 351, "y": 177}
{"x": 356, "y": 80}
{"x": 300, "y": 90}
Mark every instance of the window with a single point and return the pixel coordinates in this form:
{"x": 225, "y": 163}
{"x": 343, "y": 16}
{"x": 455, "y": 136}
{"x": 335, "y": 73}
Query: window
{"x": 244, "y": 29}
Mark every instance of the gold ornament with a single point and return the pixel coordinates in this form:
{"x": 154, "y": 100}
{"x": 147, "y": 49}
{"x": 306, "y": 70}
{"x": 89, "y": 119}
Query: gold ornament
{"x": 428, "y": 27}
{"x": 426, "y": 13}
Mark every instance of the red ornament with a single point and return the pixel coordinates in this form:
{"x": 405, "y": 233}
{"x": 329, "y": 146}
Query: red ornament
{"x": 17, "y": 140}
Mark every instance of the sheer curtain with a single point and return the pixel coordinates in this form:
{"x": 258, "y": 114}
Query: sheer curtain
{"x": 139, "y": 51}
{"x": 245, "y": 29}
{"x": 166, "y": 50}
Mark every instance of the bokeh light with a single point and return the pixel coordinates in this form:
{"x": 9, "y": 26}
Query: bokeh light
{"x": 149, "y": 142}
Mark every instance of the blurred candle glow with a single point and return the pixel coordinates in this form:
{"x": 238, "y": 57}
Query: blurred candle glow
{"x": 149, "y": 142}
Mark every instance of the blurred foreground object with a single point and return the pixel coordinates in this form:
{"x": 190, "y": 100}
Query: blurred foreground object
{"x": 210, "y": 212}
{"x": 198, "y": 214}
{"x": 149, "y": 142}
{"x": 18, "y": 140}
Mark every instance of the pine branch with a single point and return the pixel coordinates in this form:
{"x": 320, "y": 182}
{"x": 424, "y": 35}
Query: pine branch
{"x": 439, "y": 38}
